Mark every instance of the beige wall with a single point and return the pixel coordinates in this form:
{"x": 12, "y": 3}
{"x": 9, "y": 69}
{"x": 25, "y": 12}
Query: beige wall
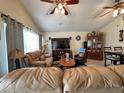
{"x": 112, "y": 32}
{"x": 75, "y": 45}
{"x": 14, "y": 9}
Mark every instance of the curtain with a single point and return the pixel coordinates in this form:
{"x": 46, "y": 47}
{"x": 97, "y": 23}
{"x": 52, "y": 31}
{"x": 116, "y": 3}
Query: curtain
{"x": 14, "y": 37}
{"x": 31, "y": 40}
{"x": 40, "y": 41}
{"x": 3, "y": 49}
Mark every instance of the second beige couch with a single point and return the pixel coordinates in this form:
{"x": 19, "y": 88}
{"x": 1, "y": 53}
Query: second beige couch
{"x": 37, "y": 58}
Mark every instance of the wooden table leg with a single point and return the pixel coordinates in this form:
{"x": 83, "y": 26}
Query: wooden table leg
{"x": 121, "y": 60}
{"x": 105, "y": 60}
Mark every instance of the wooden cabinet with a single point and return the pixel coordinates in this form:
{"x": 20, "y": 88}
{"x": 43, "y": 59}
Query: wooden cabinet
{"x": 95, "y": 45}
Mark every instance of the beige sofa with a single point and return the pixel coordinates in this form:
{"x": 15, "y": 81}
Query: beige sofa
{"x": 37, "y": 58}
{"x": 94, "y": 80}
{"x": 73, "y": 80}
{"x": 32, "y": 80}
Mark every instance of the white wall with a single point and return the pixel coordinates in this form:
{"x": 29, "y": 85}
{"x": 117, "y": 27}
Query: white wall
{"x": 15, "y": 10}
{"x": 75, "y": 45}
{"x": 112, "y": 32}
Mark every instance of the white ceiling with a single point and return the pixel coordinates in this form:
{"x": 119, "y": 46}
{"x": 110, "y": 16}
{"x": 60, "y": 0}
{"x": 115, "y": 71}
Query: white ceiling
{"x": 83, "y": 16}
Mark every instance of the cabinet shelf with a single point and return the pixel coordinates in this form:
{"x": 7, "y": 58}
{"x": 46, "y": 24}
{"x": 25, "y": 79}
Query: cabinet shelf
{"x": 95, "y": 44}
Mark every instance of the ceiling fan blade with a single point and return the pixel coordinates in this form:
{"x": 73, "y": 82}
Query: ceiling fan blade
{"x": 120, "y": 4}
{"x": 71, "y": 2}
{"x": 49, "y": 1}
{"x": 105, "y": 13}
{"x": 53, "y": 10}
{"x": 117, "y": 0}
{"x": 97, "y": 13}
{"x": 108, "y": 7}
{"x": 66, "y": 12}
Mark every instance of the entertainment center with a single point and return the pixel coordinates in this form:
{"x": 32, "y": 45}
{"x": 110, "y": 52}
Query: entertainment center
{"x": 60, "y": 46}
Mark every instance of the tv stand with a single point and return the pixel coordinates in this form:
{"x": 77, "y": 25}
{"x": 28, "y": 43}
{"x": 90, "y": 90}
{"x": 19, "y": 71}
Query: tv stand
{"x": 57, "y": 53}
{"x": 60, "y": 46}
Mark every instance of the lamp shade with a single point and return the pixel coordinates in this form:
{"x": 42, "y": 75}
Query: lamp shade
{"x": 56, "y": 10}
{"x": 16, "y": 54}
{"x": 115, "y": 13}
{"x": 122, "y": 11}
{"x": 63, "y": 11}
{"x": 60, "y": 6}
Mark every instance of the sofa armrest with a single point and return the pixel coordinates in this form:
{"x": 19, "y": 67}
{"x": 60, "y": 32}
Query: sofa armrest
{"x": 49, "y": 61}
{"x": 47, "y": 55}
{"x": 26, "y": 61}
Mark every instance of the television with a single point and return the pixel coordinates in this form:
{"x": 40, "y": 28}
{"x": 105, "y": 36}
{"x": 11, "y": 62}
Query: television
{"x": 60, "y": 43}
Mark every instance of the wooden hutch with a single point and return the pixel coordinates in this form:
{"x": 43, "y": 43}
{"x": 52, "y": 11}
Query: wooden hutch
{"x": 95, "y": 45}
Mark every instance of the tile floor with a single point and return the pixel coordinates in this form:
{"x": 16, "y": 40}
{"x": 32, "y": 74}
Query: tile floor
{"x": 95, "y": 62}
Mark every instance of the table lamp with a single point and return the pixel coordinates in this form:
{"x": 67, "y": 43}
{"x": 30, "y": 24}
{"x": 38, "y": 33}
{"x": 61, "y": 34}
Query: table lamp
{"x": 16, "y": 55}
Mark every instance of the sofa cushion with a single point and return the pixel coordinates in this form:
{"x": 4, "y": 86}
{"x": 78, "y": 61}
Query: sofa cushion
{"x": 119, "y": 70}
{"x": 32, "y": 80}
{"x": 42, "y": 57}
{"x": 47, "y": 55}
{"x": 82, "y": 79}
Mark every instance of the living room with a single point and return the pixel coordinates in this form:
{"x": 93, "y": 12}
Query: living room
{"x": 76, "y": 27}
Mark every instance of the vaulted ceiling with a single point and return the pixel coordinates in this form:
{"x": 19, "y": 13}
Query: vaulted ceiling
{"x": 83, "y": 16}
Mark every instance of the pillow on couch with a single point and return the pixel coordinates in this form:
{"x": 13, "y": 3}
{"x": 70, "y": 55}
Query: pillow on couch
{"x": 47, "y": 55}
{"x": 42, "y": 57}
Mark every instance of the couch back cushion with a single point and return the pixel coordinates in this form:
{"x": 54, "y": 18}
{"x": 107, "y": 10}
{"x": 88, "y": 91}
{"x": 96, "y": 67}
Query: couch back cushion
{"x": 32, "y": 80}
{"x": 93, "y": 80}
{"x": 34, "y": 56}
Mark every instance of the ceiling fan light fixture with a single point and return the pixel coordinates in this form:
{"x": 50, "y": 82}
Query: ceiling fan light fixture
{"x": 56, "y": 10}
{"x": 63, "y": 11}
{"x": 115, "y": 13}
{"x": 60, "y": 6}
{"x": 122, "y": 11}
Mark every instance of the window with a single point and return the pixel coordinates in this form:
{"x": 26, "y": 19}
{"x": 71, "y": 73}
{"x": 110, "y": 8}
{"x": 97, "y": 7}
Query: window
{"x": 31, "y": 40}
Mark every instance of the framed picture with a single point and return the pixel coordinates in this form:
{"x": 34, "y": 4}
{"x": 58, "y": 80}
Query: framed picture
{"x": 121, "y": 38}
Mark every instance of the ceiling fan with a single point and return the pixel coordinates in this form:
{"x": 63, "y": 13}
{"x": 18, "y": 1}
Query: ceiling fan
{"x": 61, "y": 5}
{"x": 117, "y": 9}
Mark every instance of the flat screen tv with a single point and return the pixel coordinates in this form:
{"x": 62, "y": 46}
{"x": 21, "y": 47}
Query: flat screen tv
{"x": 60, "y": 43}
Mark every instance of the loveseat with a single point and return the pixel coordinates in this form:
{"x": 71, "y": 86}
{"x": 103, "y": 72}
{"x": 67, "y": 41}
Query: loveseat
{"x": 37, "y": 58}
{"x": 73, "y": 80}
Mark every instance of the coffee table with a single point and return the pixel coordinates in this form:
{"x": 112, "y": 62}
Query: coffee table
{"x": 65, "y": 63}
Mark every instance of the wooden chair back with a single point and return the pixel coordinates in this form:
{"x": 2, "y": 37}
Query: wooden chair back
{"x": 118, "y": 49}
{"x": 107, "y": 49}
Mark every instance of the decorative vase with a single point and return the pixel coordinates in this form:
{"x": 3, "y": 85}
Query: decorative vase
{"x": 67, "y": 57}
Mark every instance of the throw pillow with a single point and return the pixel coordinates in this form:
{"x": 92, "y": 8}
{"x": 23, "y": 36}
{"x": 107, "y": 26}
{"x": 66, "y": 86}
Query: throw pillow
{"x": 42, "y": 57}
{"x": 47, "y": 55}
{"x": 81, "y": 54}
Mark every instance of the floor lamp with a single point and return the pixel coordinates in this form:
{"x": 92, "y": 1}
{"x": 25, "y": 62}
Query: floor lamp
{"x": 16, "y": 55}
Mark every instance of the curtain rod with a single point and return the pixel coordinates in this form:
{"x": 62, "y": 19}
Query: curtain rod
{"x": 3, "y": 14}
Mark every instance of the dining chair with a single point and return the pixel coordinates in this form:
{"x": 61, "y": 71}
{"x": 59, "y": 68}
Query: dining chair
{"x": 118, "y": 49}
{"x": 109, "y": 56}
{"x": 107, "y": 48}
